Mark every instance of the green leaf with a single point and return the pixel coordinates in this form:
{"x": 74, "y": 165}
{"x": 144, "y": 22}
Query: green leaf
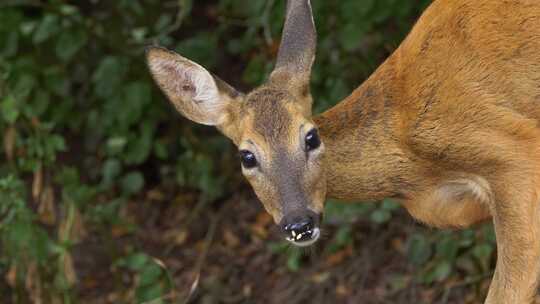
{"x": 160, "y": 150}
{"x": 23, "y": 236}
{"x": 482, "y": 251}
{"x": 136, "y": 261}
{"x": 466, "y": 238}
{"x": 162, "y": 23}
{"x": 57, "y": 142}
{"x": 39, "y": 105}
{"x": 70, "y": 42}
{"x": 447, "y": 248}
{"x": 200, "y": 48}
{"x": 342, "y": 238}
{"x": 150, "y": 274}
{"x": 354, "y": 10}
{"x": 139, "y": 148}
{"x": 116, "y": 144}
{"x": 346, "y": 211}
{"x": 132, "y": 183}
{"x": 10, "y": 43}
{"x": 255, "y": 71}
{"x": 11, "y": 18}
{"x": 109, "y": 75}
{"x": 293, "y": 260}
{"x": 405, "y": 8}
{"x": 28, "y": 27}
{"x": 24, "y": 86}
{"x": 278, "y": 247}
{"x": 441, "y": 272}
{"x": 251, "y": 8}
{"x": 111, "y": 170}
{"x": 9, "y": 109}
{"x": 137, "y": 95}
{"x": 351, "y": 35}
{"x": 489, "y": 233}
{"x": 382, "y": 11}
{"x": 419, "y": 250}
{"x": 57, "y": 82}
{"x": 48, "y": 26}
{"x": 150, "y": 293}
{"x": 380, "y": 216}
{"x": 390, "y": 205}
{"x": 139, "y": 34}
{"x": 67, "y": 9}
{"x": 398, "y": 282}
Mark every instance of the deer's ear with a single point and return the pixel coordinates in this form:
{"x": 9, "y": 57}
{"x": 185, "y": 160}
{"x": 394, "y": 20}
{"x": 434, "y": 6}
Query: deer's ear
{"x": 298, "y": 43}
{"x": 193, "y": 91}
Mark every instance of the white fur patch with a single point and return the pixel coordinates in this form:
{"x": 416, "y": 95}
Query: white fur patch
{"x": 475, "y": 186}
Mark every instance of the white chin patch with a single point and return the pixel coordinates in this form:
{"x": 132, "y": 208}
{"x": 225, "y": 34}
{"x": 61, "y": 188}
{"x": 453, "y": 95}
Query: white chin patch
{"x": 314, "y": 237}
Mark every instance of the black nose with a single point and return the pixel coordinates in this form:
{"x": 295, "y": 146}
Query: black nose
{"x": 298, "y": 228}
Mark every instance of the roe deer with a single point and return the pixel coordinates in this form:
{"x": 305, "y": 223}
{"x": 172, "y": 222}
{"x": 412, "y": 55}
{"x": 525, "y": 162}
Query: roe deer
{"x": 448, "y": 125}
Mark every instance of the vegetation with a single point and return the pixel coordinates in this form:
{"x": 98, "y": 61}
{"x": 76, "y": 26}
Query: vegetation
{"x": 94, "y": 161}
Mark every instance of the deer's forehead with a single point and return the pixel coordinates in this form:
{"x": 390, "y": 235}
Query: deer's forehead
{"x": 271, "y": 115}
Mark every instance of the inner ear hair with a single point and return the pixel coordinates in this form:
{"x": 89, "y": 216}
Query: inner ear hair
{"x": 196, "y": 93}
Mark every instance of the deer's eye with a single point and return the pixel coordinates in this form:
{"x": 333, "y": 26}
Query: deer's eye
{"x": 312, "y": 140}
{"x": 248, "y": 159}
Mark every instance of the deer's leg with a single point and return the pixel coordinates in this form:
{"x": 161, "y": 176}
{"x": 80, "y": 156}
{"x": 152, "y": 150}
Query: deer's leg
{"x": 504, "y": 152}
{"x": 516, "y": 218}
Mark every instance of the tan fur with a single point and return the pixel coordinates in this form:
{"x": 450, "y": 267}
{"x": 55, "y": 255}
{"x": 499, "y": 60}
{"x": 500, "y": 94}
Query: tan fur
{"x": 448, "y": 125}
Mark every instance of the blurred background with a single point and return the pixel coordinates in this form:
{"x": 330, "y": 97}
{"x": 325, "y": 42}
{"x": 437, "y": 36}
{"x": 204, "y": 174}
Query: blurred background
{"x": 107, "y": 195}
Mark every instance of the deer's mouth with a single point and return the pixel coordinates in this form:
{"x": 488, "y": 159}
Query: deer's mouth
{"x": 305, "y": 238}
{"x": 301, "y": 227}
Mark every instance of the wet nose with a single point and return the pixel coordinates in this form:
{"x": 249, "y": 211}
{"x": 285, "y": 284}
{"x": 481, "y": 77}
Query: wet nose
{"x": 299, "y": 228}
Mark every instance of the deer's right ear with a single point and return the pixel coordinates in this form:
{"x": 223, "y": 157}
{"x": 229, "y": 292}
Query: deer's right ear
{"x": 194, "y": 92}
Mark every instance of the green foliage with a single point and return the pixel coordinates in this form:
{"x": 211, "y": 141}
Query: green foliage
{"x": 152, "y": 282}
{"x": 87, "y": 131}
{"x": 440, "y": 254}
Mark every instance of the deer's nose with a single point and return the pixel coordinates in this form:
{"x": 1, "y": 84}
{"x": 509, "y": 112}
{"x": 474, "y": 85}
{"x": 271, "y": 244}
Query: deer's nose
{"x": 299, "y": 229}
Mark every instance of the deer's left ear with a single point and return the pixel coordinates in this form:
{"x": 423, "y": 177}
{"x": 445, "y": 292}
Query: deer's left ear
{"x": 297, "y": 51}
{"x": 193, "y": 91}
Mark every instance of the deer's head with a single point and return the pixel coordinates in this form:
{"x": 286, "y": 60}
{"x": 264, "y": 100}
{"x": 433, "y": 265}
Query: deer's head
{"x": 280, "y": 151}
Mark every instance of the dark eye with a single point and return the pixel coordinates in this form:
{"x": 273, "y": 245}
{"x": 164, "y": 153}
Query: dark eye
{"x": 248, "y": 159}
{"x": 312, "y": 140}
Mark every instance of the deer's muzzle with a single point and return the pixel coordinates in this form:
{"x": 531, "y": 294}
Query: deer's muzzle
{"x": 301, "y": 228}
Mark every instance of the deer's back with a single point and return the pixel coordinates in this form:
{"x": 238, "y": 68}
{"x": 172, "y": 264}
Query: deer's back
{"x": 468, "y": 71}
{"x": 469, "y": 53}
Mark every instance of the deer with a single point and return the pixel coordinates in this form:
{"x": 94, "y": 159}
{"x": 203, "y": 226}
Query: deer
{"x": 448, "y": 126}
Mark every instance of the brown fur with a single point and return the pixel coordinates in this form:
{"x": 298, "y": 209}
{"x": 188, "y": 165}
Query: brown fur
{"x": 448, "y": 125}
{"x": 274, "y": 126}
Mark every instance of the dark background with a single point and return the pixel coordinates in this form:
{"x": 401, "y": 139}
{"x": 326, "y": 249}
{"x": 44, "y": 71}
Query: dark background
{"x": 107, "y": 195}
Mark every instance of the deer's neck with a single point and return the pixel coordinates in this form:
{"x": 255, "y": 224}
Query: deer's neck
{"x": 365, "y": 158}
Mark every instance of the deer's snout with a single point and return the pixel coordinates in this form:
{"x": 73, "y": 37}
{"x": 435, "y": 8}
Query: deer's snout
{"x": 301, "y": 228}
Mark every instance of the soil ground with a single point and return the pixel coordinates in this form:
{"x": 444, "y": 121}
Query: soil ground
{"x": 226, "y": 245}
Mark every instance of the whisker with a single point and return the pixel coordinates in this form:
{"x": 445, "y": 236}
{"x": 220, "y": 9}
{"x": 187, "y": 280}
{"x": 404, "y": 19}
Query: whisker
{"x": 325, "y": 234}
{"x": 306, "y": 251}
{"x": 315, "y": 250}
